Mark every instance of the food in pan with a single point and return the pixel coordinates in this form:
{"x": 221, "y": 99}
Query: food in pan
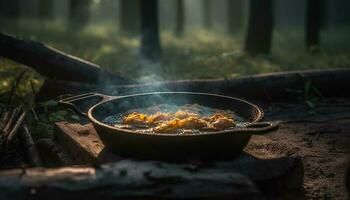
{"x": 172, "y": 119}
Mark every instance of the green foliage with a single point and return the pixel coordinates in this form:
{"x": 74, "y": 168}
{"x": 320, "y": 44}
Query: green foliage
{"x": 42, "y": 118}
{"x": 308, "y": 96}
{"x": 9, "y": 71}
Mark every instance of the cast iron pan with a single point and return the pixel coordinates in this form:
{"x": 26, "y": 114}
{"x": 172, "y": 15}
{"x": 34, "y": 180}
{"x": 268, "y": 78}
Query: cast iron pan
{"x": 207, "y": 145}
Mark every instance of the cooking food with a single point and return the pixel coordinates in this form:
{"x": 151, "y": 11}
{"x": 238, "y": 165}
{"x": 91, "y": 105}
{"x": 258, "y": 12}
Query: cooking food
{"x": 186, "y": 119}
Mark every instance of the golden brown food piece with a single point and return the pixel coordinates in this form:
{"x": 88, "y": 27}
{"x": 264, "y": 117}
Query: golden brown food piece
{"x": 184, "y": 114}
{"x": 158, "y": 117}
{"x": 168, "y": 126}
{"x": 192, "y": 123}
{"x": 187, "y": 123}
{"x": 184, "y": 120}
{"x": 217, "y": 116}
{"x": 136, "y": 119}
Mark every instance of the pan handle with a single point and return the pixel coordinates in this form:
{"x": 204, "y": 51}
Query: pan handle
{"x": 260, "y": 128}
{"x": 74, "y": 101}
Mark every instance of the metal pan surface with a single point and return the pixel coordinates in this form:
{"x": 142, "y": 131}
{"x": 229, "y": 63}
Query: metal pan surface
{"x": 207, "y": 145}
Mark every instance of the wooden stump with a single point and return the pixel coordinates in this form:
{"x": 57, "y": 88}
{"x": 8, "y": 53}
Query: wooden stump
{"x": 83, "y": 143}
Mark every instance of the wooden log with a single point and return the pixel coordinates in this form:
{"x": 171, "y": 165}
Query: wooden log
{"x": 125, "y": 180}
{"x": 264, "y": 87}
{"x": 53, "y": 63}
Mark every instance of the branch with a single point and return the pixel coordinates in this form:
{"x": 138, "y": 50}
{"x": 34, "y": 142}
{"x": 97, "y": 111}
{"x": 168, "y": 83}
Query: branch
{"x": 53, "y": 63}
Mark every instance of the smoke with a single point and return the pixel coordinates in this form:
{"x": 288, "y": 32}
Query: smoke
{"x": 150, "y": 71}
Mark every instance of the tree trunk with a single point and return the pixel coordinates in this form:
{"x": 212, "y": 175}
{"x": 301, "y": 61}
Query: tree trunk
{"x": 235, "y": 15}
{"x": 79, "y": 13}
{"x": 179, "y": 18}
{"x": 150, "y": 44}
{"x": 130, "y": 16}
{"x": 260, "y": 26}
{"x": 46, "y": 9}
{"x": 324, "y": 14}
{"x": 313, "y": 22}
{"x": 207, "y": 14}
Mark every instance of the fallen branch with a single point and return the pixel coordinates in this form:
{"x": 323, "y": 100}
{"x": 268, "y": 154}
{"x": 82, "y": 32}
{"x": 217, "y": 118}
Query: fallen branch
{"x": 16, "y": 126}
{"x": 9, "y": 125}
{"x": 53, "y": 63}
{"x": 10, "y": 120}
{"x": 265, "y": 87}
{"x": 5, "y": 115}
{"x": 13, "y": 123}
{"x": 29, "y": 147}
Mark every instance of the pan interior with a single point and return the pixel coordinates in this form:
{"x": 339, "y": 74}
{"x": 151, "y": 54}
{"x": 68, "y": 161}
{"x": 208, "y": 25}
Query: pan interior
{"x": 121, "y": 105}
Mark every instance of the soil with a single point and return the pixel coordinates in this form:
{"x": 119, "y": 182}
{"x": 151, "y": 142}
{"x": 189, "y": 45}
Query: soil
{"x": 321, "y": 137}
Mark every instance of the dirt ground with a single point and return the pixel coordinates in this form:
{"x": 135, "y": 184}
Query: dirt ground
{"x": 321, "y": 137}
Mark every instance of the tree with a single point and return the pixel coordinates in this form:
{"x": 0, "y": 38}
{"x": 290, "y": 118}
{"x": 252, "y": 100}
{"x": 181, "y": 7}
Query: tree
{"x": 79, "y": 13}
{"x": 235, "y": 15}
{"x": 9, "y": 10}
{"x": 324, "y": 14}
{"x": 260, "y": 26}
{"x": 207, "y": 14}
{"x": 130, "y": 15}
{"x": 46, "y": 9}
{"x": 179, "y": 17}
{"x": 150, "y": 44}
{"x": 313, "y": 23}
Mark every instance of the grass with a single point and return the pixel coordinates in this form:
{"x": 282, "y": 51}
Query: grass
{"x": 199, "y": 54}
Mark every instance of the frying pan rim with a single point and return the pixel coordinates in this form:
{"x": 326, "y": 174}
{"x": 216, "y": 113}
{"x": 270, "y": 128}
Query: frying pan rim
{"x": 112, "y": 98}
